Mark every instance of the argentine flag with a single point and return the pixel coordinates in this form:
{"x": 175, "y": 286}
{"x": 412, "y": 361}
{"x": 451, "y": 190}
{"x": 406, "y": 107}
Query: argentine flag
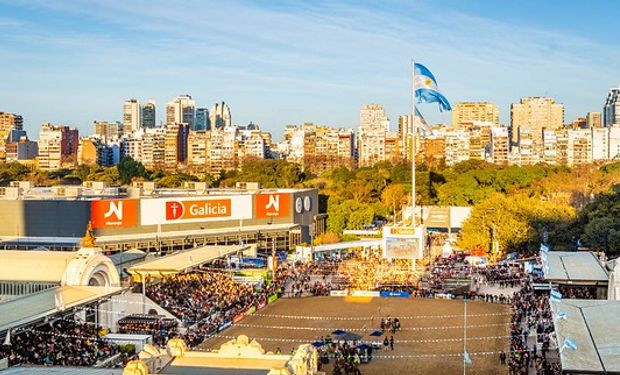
{"x": 426, "y": 90}
{"x": 568, "y": 343}
{"x": 556, "y": 296}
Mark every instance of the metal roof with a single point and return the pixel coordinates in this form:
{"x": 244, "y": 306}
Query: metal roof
{"x": 29, "y": 308}
{"x": 567, "y": 266}
{"x": 183, "y": 260}
{"x": 34, "y": 265}
{"x": 592, "y": 326}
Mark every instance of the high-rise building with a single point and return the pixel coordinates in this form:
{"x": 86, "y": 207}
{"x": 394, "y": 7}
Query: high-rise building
{"x": 131, "y": 115}
{"x": 152, "y": 147}
{"x": 536, "y": 114}
{"x": 469, "y": 112}
{"x": 219, "y": 116}
{"x": 19, "y": 147}
{"x": 319, "y": 148}
{"x": 600, "y": 144}
{"x": 550, "y": 147}
{"x": 108, "y": 130}
{"x": 373, "y": 118}
{"x": 197, "y": 144}
{"x": 58, "y": 147}
{"x": 456, "y": 146}
{"x": 8, "y": 122}
{"x": 181, "y": 110}
{"x": 611, "y": 111}
{"x": 593, "y": 120}
{"x": 500, "y": 145}
{"x": 374, "y": 125}
{"x": 202, "y": 120}
{"x": 149, "y": 114}
{"x": 175, "y": 145}
{"x": 614, "y": 142}
{"x": 579, "y": 147}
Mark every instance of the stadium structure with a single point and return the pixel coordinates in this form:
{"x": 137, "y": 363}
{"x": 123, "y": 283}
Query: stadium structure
{"x": 147, "y": 218}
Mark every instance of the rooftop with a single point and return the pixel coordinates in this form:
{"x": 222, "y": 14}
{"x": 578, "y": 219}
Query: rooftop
{"x": 592, "y": 326}
{"x": 183, "y": 260}
{"x": 566, "y": 266}
{"x": 31, "y": 307}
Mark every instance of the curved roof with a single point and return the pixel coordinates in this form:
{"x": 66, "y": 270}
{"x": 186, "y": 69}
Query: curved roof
{"x": 41, "y": 266}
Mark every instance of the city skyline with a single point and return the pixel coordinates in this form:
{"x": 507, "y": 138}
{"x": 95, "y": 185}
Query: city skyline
{"x": 278, "y": 64}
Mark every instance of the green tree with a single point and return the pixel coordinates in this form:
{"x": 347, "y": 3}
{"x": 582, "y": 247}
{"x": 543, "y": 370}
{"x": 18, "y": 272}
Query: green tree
{"x": 394, "y": 196}
{"x": 128, "y": 169}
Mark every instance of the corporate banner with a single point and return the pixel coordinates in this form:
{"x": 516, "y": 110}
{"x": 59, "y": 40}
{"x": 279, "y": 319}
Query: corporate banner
{"x": 195, "y": 209}
{"x": 114, "y": 213}
{"x": 394, "y": 294}
{"x": 365, "y": 293}
{"x": 272, "y": 205}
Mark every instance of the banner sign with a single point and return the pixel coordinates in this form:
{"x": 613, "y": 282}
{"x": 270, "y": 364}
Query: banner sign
{"x": 272, "y": 205}
{"x": 251, "y": 310}
{"x": 338, "y": 293}
{"x": 238, "y": 318}
{"x": 224, "y": 326}
{"x": 365, "y": 293}
{"x": 252, "y": 262}
{"x": 272, "y": 298}
{"x": 114, "y": 213}
{"x": 394, "y": 294}
{"x": 195, "y": 209}
{"x": 261, "y": 305}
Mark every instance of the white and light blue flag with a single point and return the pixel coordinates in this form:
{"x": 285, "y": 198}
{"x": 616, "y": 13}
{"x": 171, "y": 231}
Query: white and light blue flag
{"x": 568, "y": 343}
{"x": 426, "y": 90}
{"x": 556, "y": 296}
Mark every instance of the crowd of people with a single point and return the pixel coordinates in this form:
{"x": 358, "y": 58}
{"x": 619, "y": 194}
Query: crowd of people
{"x": 577, "y": 292}
{"x": 374, "y": 273}
{"x": 59, "y": 343}
{"x": 531, "y": 311}
{"x": 347, "y": 357}
{"x": 204, "y": 301}
{"x": 160, "y": 328}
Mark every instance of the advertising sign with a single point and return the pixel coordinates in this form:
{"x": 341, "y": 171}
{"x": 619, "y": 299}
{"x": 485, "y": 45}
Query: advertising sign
{"x": 114, "y": 213}
{"x": 224, "y": 326}
{"x": 401, "y": 247}
{"x": 238, "y": 318}
{"x": 338, "y": 293}
{"x": 272, "y": 298}
{"x": 272, "y": 205}
{"x": 365, "y": 293}
{"x": 395, "y": 294}
{"x": 261, "y": 305}
{"x": 195, "y": 209}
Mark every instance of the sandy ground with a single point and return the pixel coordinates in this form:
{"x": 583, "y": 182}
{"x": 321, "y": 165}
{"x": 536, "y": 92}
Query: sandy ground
{"x": 431, "y": 340}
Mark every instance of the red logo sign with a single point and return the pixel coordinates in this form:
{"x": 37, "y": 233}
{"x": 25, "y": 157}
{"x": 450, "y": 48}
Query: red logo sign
{"x": 174, "y": 210}
{"x": 117, "y": 213}
{"x": 272, "y": 205}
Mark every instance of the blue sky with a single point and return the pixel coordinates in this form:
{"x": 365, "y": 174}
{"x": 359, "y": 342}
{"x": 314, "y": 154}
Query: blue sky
{"x": 280, "y": 62}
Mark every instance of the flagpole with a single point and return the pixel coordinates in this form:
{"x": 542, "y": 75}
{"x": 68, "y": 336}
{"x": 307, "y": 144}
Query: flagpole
{"x": 413, "y": 132}
{"x": 413, "y": 155}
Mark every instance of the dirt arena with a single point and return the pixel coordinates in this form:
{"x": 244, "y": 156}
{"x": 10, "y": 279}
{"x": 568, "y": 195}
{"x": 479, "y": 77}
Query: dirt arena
{"x": 430, "y": 342}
